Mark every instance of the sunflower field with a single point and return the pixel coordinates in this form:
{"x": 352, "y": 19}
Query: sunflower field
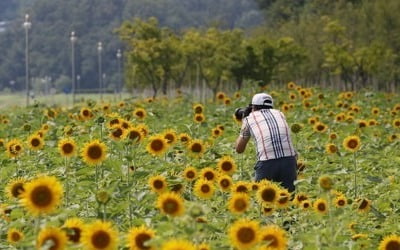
{"x": 162, "y": 173}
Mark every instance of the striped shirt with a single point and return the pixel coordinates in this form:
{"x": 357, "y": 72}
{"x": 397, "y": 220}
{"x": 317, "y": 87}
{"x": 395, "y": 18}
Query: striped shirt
{"x": 271, "y": 133}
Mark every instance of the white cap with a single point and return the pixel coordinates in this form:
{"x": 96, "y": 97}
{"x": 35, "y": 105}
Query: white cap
{"x": 262, "y": 99}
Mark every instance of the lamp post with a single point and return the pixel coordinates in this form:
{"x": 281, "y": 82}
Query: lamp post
{"x": 78, "y": 82}
{"x": 119, "y": 56}
{"x": 99, "y": 50}
{"x": 27, "y": 26}
{"x": 73, "y": 39}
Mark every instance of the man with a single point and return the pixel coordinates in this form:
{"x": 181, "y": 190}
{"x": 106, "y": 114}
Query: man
{"x": 275, "y": 152}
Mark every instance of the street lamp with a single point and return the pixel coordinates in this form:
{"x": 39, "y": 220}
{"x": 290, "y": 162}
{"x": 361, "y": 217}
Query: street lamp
{"x": 27, "y": 26}
{"x": 99, "y": 50}
{"x": 119, "y": 56}
{"x": 73, "y": 39}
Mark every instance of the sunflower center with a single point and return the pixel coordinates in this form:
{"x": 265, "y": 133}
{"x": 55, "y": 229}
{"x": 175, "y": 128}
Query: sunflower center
{"x": 392, "y": 245}
{"x": 140, "y": 114}
{"x": 157, "y": 145}
{"x": 240, "y": 205}
{"x": 41, "y": 196}
{"x": 95, "y": 152}
{"x": 140, "y": 239}
{"x": 114, "y": 121}
{"x": 17, "y": 148}
{"x": 352, "y": 144}
{"x": 67, "y": 148}
{"x": 177, "y": 187}
{"x": 205, "y": 188}
{"x": 199, "y": 118}
{"x": 332, "y": 148}
{"x": 15, "y": 236}
{"x": 170, "y": 206}
{"x": 196, "y": 148}
{"x": 17, "y": 189}
{"x": 209, "y": 175}
{"x": 75, "y": 235}
{"x": 321, "y": 207}
{"x": 86, "y": 113}
{"x": 268, "y": 195}
{"x": 170, "y": 138}
{"x": 341, "y": 203}
{"x": 246, "y": 235}
{"x": 190, "y": 174}
{"x": 320, "y": 127}
{"x": 226, "y": 166}
{"x": 306, "y": 204}
{"x": 224, "y": 183}
{"x": 198, "y": 110}
{"x": 158, "y": 184}
{"x": 134, "y": 135}
{"x": 101, "y": 239}
{"x": 53, "y": 242}
{"x": 273, "y": 241}
{"x": 242, "y": 189}
{"x": 117, "y": 133}
{"x": 363, "y": 204}
{"x": 283, "y": 199}
{"x": 35, "y": 142}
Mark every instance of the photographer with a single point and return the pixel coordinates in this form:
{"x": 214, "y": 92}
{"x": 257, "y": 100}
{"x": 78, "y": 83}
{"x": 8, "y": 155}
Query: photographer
{"x": 275, "y": 152}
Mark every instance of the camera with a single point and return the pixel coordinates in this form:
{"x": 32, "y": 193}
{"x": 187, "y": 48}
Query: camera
{"x": 241, "y": 113}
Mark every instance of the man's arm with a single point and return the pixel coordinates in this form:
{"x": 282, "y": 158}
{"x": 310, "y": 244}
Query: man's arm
{"x": 241, "y": 143}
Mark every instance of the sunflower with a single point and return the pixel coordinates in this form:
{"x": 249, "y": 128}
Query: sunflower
{"x": 268, "y": 193}
{"x": 100, "y": 235}
{"x": 300, "y": 197}
{"x": 85, "y": 113}
{"x": 14, "y": 148}
{"x": 226, "y": 165}
{"x": 291, "y": 85}
{"x": 204, "y": 188}
{"x": 74, "y": 228}
{"x": 177, "y": 244}
{"x": 325, "y": 182}
{"x": 313, "y": 120}
{"x": 114, "y": 121}
{"x": 67, "y": 147}
{"x": 170, "y": 203}
{"x": 198, "y": 108}
{"x": 42, "y": 195}
{"x": 372, "y": 122}
{"x": 340, "y": 201}
{"x": 352, "y": 143}
{"x": 134, "y": 134}
{"x": 238, "y": 203}
{"x": 158, "y": 183}
{"x": 306, "y": 204}
{"x": 241, "y": 186}
{"x": 274, "y": 236}
{"x": 331, "y": 148}
{"x": 137, "y": 238}
{"x": 199, "y": 118}
{"x": 170, "y": 136}
{"x": 35, "y": 142}
{"x": 321, "y": 206}
{"x": 15, "y": 188}
{"x": 244, "y": 233}
{"x": 283, "y": 200}
{"x": 157, "y": 145}
{"x": 390, "y": 242}
{"x": 51, "y": 236}
{"x": 362, "y": 123}
{"x": 140, "y": 113}
{"x": 216, "y": 132}
{"x": 220, "y": 96}
{"x": 190, "y": 173}
{"x": 363, "y": 205}
{"x": 333, "y": 136}
{"x": 126, "y": 124}
{"x": 106, "y": 107}
{"x": 196, "y": 148}
{"x": 184, "y": 138}
{"x": 225, "y": 183}
{"x": 117, "y": 133}
{"x": 94, "y": 152}
{"x": 208, "y": 173}
{"x": 14, "y": 235}
{"x": 396, "y": 123}
{"x": 267, "y": 210}
{"x": 320, "y": 127}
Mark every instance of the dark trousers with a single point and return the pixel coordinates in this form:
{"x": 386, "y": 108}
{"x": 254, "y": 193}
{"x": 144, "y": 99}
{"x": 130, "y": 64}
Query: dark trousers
{"x": 282, "y": 170}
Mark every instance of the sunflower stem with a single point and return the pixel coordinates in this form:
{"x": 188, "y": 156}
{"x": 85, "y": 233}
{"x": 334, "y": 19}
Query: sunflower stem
{"x": 66, "y": 181}
{"x": 355, "y": 175}
{"x": 104, "y": 212}
{"x": 96, "y": 177}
